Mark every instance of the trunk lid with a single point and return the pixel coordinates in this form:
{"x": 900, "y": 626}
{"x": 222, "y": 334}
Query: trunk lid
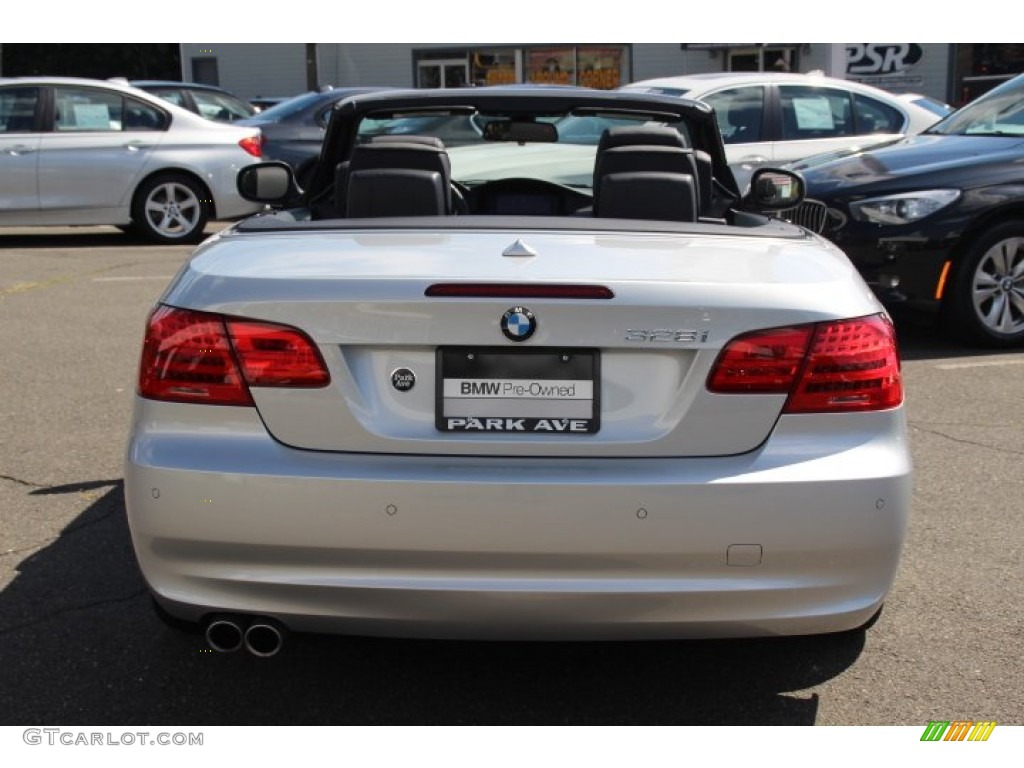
{"x": 623, "y": 376}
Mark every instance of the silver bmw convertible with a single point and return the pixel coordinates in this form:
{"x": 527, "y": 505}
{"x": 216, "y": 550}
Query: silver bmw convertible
{"x": 528, "y": 387}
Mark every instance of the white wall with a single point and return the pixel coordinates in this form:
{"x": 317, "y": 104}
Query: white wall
{"x": 664, "y": 60}
{"x": 367, "y": 64}
{"x": 253, "y": 69}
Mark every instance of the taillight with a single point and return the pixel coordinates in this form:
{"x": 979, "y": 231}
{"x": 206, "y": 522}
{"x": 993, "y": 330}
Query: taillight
{"x": 763, "y": 362}
{"x": 852, "y": 365}
{"x": 253, "y": 145}
{"x": 200, "y": 357}
{"x": 277, "y": 356}
{"x": 845, "y": 365}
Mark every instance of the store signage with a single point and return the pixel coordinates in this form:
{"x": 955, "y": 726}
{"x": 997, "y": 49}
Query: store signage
{"x": 881, "y": 58}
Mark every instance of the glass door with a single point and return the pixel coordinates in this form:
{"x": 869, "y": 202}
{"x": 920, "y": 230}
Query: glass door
{"x": 442, "y": 73}
{"x": 762, "y": 59}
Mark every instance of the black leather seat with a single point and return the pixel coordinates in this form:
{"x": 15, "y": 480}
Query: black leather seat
{"x": 395, "y": 176}
{"x": 647, "y": 173}
{"x": 745, "y": 119}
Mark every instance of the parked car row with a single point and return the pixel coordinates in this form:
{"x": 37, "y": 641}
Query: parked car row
{"x": 932, "y": 222}
{"x": 765, "y": 118}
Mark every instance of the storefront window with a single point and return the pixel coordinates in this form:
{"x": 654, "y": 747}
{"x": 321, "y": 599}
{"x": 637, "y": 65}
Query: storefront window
{"x": 551, "y": 66}
{"x": 983, "y": 66}
{"x": 495, "y": 67}
{"x": 593, "y": 66}
{"x": 762, "y": 59}
{"x": 599, "y": 67}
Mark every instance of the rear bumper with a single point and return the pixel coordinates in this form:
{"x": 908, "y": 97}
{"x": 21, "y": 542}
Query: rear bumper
{"x": 801, "y": 536}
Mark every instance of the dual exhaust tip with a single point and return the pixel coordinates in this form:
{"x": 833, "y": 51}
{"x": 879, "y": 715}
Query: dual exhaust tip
{"x": 260, "y": 637}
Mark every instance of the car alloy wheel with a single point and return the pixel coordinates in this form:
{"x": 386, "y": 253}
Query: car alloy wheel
{"x": 989, "y": 298}
{"x": 171, "y": 208}
{"x": 999, "y": 286}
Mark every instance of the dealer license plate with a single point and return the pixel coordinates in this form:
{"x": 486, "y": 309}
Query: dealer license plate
{"x": 518, "y": 391}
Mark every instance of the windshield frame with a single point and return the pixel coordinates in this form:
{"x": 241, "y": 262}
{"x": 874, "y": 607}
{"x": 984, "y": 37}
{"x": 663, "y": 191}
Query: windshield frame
{"x": 525, "y": 104}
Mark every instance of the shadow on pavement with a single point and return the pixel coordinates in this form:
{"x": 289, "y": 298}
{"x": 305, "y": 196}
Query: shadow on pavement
{"x": 923, "y": 340}
{"x": 83, "y": 237}
{"x": 82, "y": 646}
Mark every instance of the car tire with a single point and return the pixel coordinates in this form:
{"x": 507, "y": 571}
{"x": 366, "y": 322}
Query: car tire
{"x": 171, "y": 208}
{"x": 986, "y": 305}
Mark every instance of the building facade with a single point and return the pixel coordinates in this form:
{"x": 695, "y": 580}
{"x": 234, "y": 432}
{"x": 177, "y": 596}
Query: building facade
{"x": 954, "y": 73}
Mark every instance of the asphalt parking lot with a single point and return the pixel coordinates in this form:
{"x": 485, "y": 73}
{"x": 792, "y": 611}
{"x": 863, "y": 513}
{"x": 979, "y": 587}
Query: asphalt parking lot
{"x": 79, "y": 643}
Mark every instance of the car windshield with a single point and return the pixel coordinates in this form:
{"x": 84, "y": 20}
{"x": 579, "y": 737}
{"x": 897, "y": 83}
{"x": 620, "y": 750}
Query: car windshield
{"x": 1000, "y": 112}
{"x": 561, "y": 150}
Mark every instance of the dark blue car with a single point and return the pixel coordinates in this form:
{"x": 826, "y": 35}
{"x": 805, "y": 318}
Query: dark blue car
{"x": 293, "y": 130}
{"x": 935, "y": 222}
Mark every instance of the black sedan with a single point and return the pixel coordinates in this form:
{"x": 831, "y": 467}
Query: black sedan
{"x": 935, "y": 222}
{"x": 293, "y": 130}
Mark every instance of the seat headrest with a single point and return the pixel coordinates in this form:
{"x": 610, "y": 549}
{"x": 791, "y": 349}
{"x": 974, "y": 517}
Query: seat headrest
{"x": 396, "y": 192}
{"x": 648, "y": 195}
{"x": 644, "y": 135}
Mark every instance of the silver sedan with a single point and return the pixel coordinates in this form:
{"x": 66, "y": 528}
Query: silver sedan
{"x": 76, "y": 151}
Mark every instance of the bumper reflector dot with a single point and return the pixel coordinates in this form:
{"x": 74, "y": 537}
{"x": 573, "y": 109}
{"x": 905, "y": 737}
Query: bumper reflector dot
{"x": 743, "y": 555}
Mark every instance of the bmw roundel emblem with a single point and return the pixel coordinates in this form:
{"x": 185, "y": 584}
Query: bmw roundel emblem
{"x": 518, "y": 323}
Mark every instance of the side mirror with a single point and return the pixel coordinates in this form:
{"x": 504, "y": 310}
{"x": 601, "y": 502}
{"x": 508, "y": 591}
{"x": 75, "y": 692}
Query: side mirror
{"x": 272, "y": 183}
{"x": 773, "y": 189}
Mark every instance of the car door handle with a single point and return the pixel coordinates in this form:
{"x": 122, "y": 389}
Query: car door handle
{"x": 135, "y": 146}
{"x": 754, "y": 159}
{"x": 19, "y": 149}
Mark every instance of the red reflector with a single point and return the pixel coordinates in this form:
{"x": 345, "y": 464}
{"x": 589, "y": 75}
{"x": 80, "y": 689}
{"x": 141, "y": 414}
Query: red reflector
{"x": 253, "y": 145}
{"x": 199, "y": 357}
{"x": 277, "y": 356}
{"x": 846, "y": 365}
{"x": 763, "y": 362}
{"x": 519, "y": 291}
